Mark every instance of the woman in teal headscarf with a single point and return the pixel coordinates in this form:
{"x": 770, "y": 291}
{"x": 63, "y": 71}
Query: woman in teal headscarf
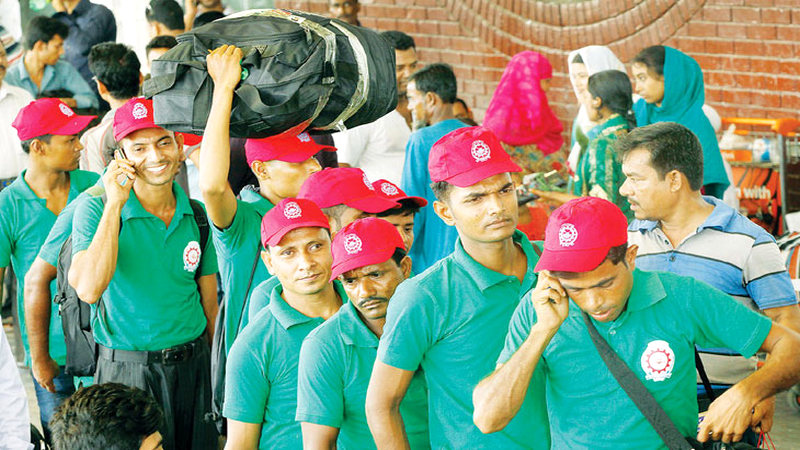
{"x": 671, "y": 85}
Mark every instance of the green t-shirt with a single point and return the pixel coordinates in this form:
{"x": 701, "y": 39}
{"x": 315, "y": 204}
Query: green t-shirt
{"x": 25, "y": 222}
{"x": 261, "y": 384}
{"x": 152, "y": 301}
{"x": 335, "y": 366}
{"x": 452, "y": 320}
{"x": 655, "y": 336}
{"x": 238, "y": 247}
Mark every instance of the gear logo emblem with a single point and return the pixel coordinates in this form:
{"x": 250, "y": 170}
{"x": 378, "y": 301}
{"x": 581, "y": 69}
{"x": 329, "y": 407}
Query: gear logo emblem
{"x": 139, "y": 111}
{"x": 352, "y": 244}
{"x": 567, "y": 235}
{"x": 304, "y": 137}
{"x": 658, "y": 360}
{"x": 292, "y": 210}
{"x": 191, "y": 256}
{"x": 65, "y": 109}
{"x": 389, "y": 189}
{"x": 480, "y": 151}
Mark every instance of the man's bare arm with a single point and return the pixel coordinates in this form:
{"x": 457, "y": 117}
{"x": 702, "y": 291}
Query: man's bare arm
{"x": 207, "y": 285}
{"x": 387, "y": 387}
{"x": 242, "y": 435}
{"x": 319, "y": 437}
{"x": 37, "y": 321}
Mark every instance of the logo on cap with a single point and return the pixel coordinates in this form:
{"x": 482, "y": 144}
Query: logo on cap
{"x": 567, "y": 235}
{"x": 65, "y": 109}
{"x": 366, "y": 181}
{"x": 352, "y": 244}
{"x": 139, "y": 111}
{"x": 304, "y": 137}
{"x": 292, "y": 210}
{"x": 480, "y": 151}
{"x": 389, "y": 190}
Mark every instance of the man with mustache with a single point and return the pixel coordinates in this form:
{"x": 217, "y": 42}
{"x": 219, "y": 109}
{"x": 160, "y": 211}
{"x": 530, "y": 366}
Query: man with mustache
{"x": 451, "y": 319}
{"x": 261, "y": 385}
{"x": 345, "y": 10}
{"x": 48, "y": 130}
{"x": 336, "y": 359}
{"x": 138, "y": 260}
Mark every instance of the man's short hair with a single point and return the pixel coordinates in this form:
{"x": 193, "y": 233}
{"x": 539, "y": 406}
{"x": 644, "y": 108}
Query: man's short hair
{"x": 615, "y": 254}
{"x": 167, "y": 12}
{"x": 26, "y": 145}
{"x": 672, "y": 146}
{"x": 441, "y": 190}
{"x": 161, "y": 42}
{"x": 44, "y": 29}
{"x": 207, "y": 17}
{"x": 407, "y": 206}
{"x": 117, "y": 67}
{"x": 398, "y": 256}
{"x": 108, "y": 416}
{"x": 399, "y": 40}
{"x": 437, "y": 78}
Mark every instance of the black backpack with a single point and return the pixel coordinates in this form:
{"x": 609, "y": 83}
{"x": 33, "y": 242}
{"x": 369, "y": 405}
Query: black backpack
{"x": 76, "y": 315}
{"x": 299, "y": 71}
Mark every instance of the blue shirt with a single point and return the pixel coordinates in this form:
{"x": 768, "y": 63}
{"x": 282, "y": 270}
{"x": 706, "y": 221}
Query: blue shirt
{"x": 89, "y": 24}
{"x": 433, "y": 239}
{"x": 61, "y": 75}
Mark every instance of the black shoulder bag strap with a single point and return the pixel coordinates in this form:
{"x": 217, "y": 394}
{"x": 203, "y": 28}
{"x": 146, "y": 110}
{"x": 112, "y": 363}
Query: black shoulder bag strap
{"x": 704, "y": 377}
{"x": 201, "y": 219}
{"x": 637, "y": 391}
{"x": 249, "y": 284}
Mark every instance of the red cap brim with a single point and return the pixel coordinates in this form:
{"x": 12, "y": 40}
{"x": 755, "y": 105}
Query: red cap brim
{"x": 373, "y": 204}
{"x": 275, "y": 239}
{"x": 74, "y": 126}
{"x": 302, "y": 155}
{"x": 418, "y": 200}
{"x": 571, "y": 260}
{"x": 118, "y": 136}
{"x": 482, "y": 172}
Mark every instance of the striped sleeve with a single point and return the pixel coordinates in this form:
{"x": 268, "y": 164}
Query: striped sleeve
{"x": 766, "y": 279}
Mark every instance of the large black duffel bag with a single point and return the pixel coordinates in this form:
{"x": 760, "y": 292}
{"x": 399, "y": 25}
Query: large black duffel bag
{"x": 299, "y": 71}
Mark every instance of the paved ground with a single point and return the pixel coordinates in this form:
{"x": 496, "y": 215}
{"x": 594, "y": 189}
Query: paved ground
{"x": 785, "y": 433}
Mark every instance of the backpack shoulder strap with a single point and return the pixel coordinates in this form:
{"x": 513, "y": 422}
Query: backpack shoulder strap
{"x": 201, "y": 219}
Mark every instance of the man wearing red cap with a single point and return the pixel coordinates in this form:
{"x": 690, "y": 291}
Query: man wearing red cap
{"x": 336, "y": 359}
{"x": 48, "y": 130}
{"x": 138, "y": 259}
{"x": 345, "y": 194}
{"x": 261, "y": 385}
{"x": 451, "y": 319}
{"x": 652, "y": 320}
{"x": 402, "y": 217}
{"x": 281, "y": 164}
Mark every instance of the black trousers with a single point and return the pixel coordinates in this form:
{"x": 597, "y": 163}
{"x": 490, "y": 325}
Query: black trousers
{"x": 183, "y": 390}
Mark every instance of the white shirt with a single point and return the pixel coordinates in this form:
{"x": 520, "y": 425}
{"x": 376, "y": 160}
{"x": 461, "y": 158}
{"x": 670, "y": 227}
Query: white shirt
{"x": 96, "y": 143}
{"x": 12, "y": 159}
{"x": 377, "y": 148}
{"x": 14, "y": 419}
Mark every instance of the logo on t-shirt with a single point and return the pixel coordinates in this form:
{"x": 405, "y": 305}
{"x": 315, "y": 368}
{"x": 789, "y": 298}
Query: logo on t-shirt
{"x": 191, "y": 256}
{"x": 304, "y": 137}
{"x": 352, "y": 244}
{"x": 139, "y": 111}
{"x": 567, "y": 235}
{"x": 65, "y": 109}
{"x": 292, "y": 210}
{"x": 658, "y": 361}
{"x": 480, "y": 151}
{"x": 389, "y": 189}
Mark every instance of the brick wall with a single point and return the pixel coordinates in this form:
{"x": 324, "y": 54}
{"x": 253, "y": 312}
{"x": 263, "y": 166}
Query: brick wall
{"x": 749, "y": 49}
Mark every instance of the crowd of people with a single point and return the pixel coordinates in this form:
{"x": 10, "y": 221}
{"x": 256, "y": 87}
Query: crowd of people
{"x": 388, "y": 286}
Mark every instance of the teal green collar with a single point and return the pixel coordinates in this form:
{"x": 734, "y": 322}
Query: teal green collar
{"x": 647, "y": 291}
{"x": 486, "y": 278}
{"x": 353, "y": 330}
{"x": 21, "y": 187}
{"x": 261, "y": 204}
{"x": 133, "y": 207}
{"x": 288, "y": 316}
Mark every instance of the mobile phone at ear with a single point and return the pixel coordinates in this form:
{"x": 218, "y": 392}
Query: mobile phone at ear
{"x": 119, "y": 154}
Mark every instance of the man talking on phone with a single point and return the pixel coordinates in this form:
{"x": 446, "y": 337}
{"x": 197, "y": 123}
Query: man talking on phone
{"x": 652, "y": 320}
{"x": 138, "y": 259}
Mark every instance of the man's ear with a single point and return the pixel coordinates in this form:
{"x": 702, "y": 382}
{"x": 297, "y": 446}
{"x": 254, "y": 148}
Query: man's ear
{"x": 676, "y": 180}
{"x": 630, "y": 256}
{"x": 260, "y": 170}
{"x": 141, "y": 78}
{"x": 101, "y": 88}
{"x": 179, "y": 144}
{"x": 405, "y": 266}
{"x": 38, "y": 147}
{"x": 267, "y": 259}
{"x": 38, "y": 46}
{"x": 431, "y": 100}
{"x": 442, "y": 209}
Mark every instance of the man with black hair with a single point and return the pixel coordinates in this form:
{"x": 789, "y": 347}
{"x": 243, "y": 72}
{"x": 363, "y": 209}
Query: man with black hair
{"x": 109, "y": 416}
{"x": 379, "y": 148}
{"x": 195, "y": 9}
{"x": 431, "y": 93}
{"x": 165, "y": 17}
{"x": 402, "y": 217}
{"x": 117, "y": 76}
{"x": 157, "y": 47}
{"x": 89, "y": 24}
{"x": 12, "y": 99}
{"x": 40, "y": 69}
{"x": 345, "y": 10}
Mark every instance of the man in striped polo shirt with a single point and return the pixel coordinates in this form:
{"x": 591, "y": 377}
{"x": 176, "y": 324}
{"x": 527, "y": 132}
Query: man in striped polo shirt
{"x": 679, "y": 230}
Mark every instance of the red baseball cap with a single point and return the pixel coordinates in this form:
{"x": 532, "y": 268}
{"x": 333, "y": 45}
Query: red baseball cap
{"x": 191, "y": 139}
{"x": 48, "y": 116}
{"x": 468, "y": 155}
{"x": 136, "y": 114}
{"x": 344, "y": 185}
{"x": 579, "y": 234}
{"x": 283, "y": 147}
{"x": 393, "y": 192}
{"x": 362, "y": 243}
{"x": 290, "y": 214}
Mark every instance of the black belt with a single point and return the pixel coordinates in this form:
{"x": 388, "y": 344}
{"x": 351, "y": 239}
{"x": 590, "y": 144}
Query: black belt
{"x": 172, "y": 355}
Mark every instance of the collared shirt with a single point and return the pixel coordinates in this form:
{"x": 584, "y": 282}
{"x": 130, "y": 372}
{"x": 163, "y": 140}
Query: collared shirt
{"x": 152, "y": 301}
{"x": 261, "y": 384}
{"x": 97, "y": 143}
{"x": 25, "y": 222}
{"x": 14, "y": 160}
{"x": 14, "y": 414}
{"x": 335, "y": 366}
{"x": 62, "y": 228}
{"x": 61, "y": 75}
{"x": 89, "y": 24}
{"x": 452, "y": 320}
{"x": 433, "y": 239}
{"x": 238, "y": 248}
{"x": 655, "y": 336}
{"x": 378, "y": 148}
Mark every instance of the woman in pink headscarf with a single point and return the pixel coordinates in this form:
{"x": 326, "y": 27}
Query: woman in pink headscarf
{"x": 520, "y": 115}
